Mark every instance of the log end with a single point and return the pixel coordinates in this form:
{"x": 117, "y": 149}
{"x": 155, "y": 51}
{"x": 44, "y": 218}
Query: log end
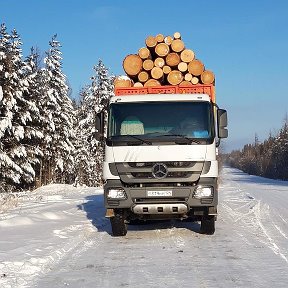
{"x": 123, "y": 81}
{"x": 175, "y": 77}
{"x": 132, "y": 64}
{"x": 207, "y": 77}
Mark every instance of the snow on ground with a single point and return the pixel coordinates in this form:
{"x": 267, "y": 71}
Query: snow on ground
{"x": 57, "y": 236}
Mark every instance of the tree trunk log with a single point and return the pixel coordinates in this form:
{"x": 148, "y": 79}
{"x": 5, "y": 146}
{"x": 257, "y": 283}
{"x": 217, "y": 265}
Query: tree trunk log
{"x": 123, "y": 81}
{"x": 185, "y": 83}
{"x": 144, "y": 53}
{"x": 196, "y": 67}
{"x": 152, "y": 83}
{"x": 166, "y": 69}
{"x": 188, "y": 77}
{"x": 132, "y": 65}
{"x": 138, "y": 84}
{"x": 157, "y": 73}
{"x": 162, "y": 49}
{"x": 175, "y": 77}
{"x": 187, "y": 55}
{"x": 207, "y": 77}
{"x": 182, "y": 66}
{"x": 177, "y": 45}
{"x": 148, "y": 64}
{"x": 172, "y": 59}
{"x": 143, "y": 76}
{"x": 177, "y": 35}
{"x": 159, "y": 62}
{"x": 195, "y": 80}
{"x": 168, "y": 40}
{"x": 151, "y": 42}
{"x": 159, "y": 38}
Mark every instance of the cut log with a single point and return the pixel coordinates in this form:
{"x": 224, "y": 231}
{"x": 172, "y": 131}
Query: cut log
{"x": 143, "y": 76}
{"x": 196, "y": 67}
{"x": 151, "y": 42}
{"x": 166, "y": 69}
{"x": 152, "y": 83}
{"x": 195, "y": 80}
{"x": 157, "y": 73}
{"x": 144, "y": 53}
{"x": 177, "y": 35}
{"x": 188, "y": 77}
{"x": 175, "y": 77}
{"x": 177, "y": 45}
{"x": 182, "y": 66}
{"x": 148, "y": 64}
{"x": 138, "y": 84}
{"x": 172, "y": 59}
{"x": 123, "y": 81}
{"x": 168, "y": 40}
{"x": 159, "y": 62}
{"x": 185, "y": 83}
{"x": 159, "y": 38}
{"x": 162, "y": 49}
{"x": 187, "y": 55}
{"x": 132, "y": 65}
{"x": 207, "y": 77}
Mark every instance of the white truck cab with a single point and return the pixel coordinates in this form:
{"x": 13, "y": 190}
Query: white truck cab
{"x": 160, "y": 157}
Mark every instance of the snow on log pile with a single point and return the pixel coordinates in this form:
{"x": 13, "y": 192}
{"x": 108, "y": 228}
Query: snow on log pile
{"x": 164, "y": 61}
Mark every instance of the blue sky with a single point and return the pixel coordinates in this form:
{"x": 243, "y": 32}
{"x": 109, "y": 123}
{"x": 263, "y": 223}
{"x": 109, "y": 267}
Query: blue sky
{"x": 244, "y": 42}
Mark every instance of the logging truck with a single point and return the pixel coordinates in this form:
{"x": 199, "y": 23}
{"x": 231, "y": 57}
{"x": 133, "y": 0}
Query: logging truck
{"x": 163, "y": 130}
{"x": 161, "y": 155}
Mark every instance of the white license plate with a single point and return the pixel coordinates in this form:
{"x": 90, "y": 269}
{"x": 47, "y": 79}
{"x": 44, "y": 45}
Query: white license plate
{"x": 159, "y": 193}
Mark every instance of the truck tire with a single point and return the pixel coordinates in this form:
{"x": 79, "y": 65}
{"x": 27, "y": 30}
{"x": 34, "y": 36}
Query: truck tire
{"x": 118, "y": 225}
{"x": 208, "y": 225}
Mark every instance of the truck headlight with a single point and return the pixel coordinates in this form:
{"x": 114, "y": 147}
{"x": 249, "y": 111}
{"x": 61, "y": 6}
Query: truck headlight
{"x": 202, "y": 192}
{"x": 116, "y": 193}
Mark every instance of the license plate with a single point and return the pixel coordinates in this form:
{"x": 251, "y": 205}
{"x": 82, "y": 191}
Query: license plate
{"x": 159, "y": 193}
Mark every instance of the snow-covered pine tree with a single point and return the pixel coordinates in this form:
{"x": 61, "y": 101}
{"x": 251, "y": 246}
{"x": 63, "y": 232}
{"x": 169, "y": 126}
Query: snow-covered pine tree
{"x": 94, "y": 99}
{"x": 85, "y": 163}
{"x": 34, "y": 128}
{"x": 17, "y": 154}
{"x": 59, "y": 115}
{"x": 103, "y": 89}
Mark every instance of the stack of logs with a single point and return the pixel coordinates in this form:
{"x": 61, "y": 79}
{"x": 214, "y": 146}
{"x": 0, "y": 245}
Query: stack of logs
{"x": 164, "y": 61}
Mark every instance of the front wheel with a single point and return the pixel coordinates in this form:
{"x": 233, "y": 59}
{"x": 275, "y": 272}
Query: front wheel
{"x": 208, "y": 225}
{"x": 118, "y": 225}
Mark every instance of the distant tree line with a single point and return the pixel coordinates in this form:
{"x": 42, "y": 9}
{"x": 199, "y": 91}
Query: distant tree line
{"x": 45, "y": 137}
{"x": 268, "y": 159}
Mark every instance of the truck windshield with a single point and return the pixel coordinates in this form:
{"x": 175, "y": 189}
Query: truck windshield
{"x": 162, "y": 121}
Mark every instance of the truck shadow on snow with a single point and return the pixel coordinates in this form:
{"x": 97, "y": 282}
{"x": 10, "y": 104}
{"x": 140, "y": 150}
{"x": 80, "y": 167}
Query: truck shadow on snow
{"x": 95, "y": 212}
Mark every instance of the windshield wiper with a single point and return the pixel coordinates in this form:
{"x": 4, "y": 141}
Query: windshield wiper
{"x": 139, "y": 139}
{"x": 182, "y": 137}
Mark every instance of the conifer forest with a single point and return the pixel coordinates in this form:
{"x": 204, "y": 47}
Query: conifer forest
{"x": 45, "y": 136}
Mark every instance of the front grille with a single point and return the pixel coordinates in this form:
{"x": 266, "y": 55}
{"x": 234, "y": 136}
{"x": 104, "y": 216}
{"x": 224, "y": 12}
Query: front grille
{"x": 178, "y": 172}
{"x": 148, "y": 175}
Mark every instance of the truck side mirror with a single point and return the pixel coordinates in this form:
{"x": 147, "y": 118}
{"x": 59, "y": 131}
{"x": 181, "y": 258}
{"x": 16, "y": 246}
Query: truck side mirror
{"x": 100, "y": 126}
{"x": 222, "y": 123}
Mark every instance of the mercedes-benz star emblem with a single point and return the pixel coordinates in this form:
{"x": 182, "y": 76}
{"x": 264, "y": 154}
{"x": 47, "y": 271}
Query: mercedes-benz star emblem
{"x": 159, "y": 171}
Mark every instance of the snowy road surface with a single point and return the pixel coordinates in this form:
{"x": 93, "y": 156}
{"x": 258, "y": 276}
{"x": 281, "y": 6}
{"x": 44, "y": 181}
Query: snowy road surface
{"x": 57, "y": 236}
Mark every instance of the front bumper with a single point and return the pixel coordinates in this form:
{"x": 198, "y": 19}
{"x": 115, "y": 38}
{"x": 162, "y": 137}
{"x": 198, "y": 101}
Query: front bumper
{"x": 180, "y": 195}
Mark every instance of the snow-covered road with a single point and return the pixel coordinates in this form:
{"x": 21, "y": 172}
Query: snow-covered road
{"x": 57, "y": 236}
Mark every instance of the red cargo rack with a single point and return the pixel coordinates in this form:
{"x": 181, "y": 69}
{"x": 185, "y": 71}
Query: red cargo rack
{"x": 195, "y": 89}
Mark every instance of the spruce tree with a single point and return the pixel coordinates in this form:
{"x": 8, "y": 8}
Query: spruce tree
{"x": 94, "y": 99}
{"x": 17, "y": 151}
{"x": 59, "y": 116}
